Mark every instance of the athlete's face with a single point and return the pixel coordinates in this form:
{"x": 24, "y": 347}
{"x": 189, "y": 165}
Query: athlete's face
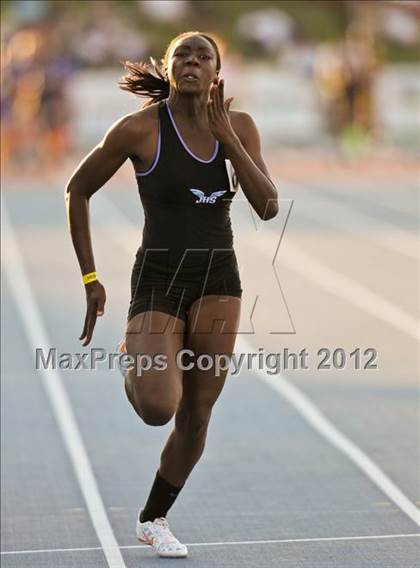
{"x": 192, "y": 65}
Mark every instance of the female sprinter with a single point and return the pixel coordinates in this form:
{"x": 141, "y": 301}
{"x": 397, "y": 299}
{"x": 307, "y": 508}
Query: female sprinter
{"x": 185, "y": 146}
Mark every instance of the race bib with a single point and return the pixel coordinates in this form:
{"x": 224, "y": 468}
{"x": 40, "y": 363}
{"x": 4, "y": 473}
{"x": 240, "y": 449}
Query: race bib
{"x": 232, "y": 177}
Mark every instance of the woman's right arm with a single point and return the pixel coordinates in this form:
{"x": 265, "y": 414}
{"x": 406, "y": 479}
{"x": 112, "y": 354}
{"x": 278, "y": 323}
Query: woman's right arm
{"x": 90, "y": 175}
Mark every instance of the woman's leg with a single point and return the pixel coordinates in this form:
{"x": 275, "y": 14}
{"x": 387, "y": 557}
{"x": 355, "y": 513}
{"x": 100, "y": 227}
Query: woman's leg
{"x": 212, "y": 324}
{"x": 155, "y": 393}
{"x": 193, "y": 393}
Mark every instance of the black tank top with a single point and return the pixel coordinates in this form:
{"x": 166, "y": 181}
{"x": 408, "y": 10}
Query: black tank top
{"x": 186, "y": 200}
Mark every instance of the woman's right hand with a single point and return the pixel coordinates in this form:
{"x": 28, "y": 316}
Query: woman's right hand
{"x": 95, "y": 306}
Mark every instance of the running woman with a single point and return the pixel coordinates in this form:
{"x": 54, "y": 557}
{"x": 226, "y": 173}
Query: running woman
{"x": 187, "y": 149}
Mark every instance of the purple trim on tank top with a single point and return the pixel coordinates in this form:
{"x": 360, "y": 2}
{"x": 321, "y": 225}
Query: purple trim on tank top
{"x": 155, "y": 161}
{"x": 216, "y": 146}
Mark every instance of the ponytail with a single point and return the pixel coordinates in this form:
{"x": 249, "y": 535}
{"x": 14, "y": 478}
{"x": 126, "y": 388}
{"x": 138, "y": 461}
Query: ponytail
{"x": 145, "y": 80}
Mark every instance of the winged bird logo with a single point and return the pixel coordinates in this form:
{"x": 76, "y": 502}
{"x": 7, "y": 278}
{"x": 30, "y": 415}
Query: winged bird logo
{"x": 202, "y": 198}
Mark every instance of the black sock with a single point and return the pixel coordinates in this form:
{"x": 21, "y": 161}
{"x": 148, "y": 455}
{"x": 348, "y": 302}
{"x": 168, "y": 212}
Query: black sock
{"x": 161, "y": 498}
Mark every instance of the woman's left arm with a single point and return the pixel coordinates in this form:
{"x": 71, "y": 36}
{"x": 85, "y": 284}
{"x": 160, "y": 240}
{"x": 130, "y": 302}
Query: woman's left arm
{"x": 243, "y": 148}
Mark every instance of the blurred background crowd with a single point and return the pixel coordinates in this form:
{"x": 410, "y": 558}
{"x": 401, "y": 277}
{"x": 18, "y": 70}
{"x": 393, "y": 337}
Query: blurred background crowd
{"x": 340, "y": 75}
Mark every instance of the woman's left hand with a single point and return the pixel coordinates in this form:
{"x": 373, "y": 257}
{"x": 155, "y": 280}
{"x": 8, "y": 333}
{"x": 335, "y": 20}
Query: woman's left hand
{"x": 218, "y": 112}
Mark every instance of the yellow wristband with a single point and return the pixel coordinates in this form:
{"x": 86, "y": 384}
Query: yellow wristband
{"x": 91, "y": 277}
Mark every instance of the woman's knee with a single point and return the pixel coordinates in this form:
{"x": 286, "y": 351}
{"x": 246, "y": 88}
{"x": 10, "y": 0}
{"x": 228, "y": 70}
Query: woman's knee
{"x": 156, "y": 413}
{"x": 152, "y": 412}
{"x": 153, "y": 406}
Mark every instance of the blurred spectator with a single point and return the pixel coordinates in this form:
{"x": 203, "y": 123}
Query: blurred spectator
{"x": 45, "y": 42}
{"x": 35, "y": 109}
{"x": 165, "y": 10}
{"x": 330, "y": 79}
{"x": 400, "y": 26}
{"x": 266, "y": 30}
{"x": 344, "y": 74}
{"x": 299, "y": 55}
{"x": 105, "y": 40}
{"x": 359, "y": 64}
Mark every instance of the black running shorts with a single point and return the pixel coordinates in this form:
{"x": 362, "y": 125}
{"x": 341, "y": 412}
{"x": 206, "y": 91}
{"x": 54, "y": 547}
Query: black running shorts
{"x": 157, "y": 284}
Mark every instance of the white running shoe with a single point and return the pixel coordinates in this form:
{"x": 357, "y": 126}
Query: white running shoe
{"x": 157, "y": 533}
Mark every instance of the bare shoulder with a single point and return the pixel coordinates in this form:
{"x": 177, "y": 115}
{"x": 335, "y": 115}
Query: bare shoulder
{"x": 244, "y": 125}
{"x": 245, "y": 128}
{"x": 127, "y": 129}
{"x": 142, "y": 119}
{"x": 240, "y": 116}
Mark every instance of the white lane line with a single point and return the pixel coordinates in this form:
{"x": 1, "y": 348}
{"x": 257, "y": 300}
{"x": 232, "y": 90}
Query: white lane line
{"x": 341, "y": 286}
{"x": 345, "y": 218}
{"x": 323, "y": 426}
{"x": 302, "y": 404}
{"x": 227, "y": 543}
{"x": 26, "y": 305}
{"x": 348, "y": 289}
